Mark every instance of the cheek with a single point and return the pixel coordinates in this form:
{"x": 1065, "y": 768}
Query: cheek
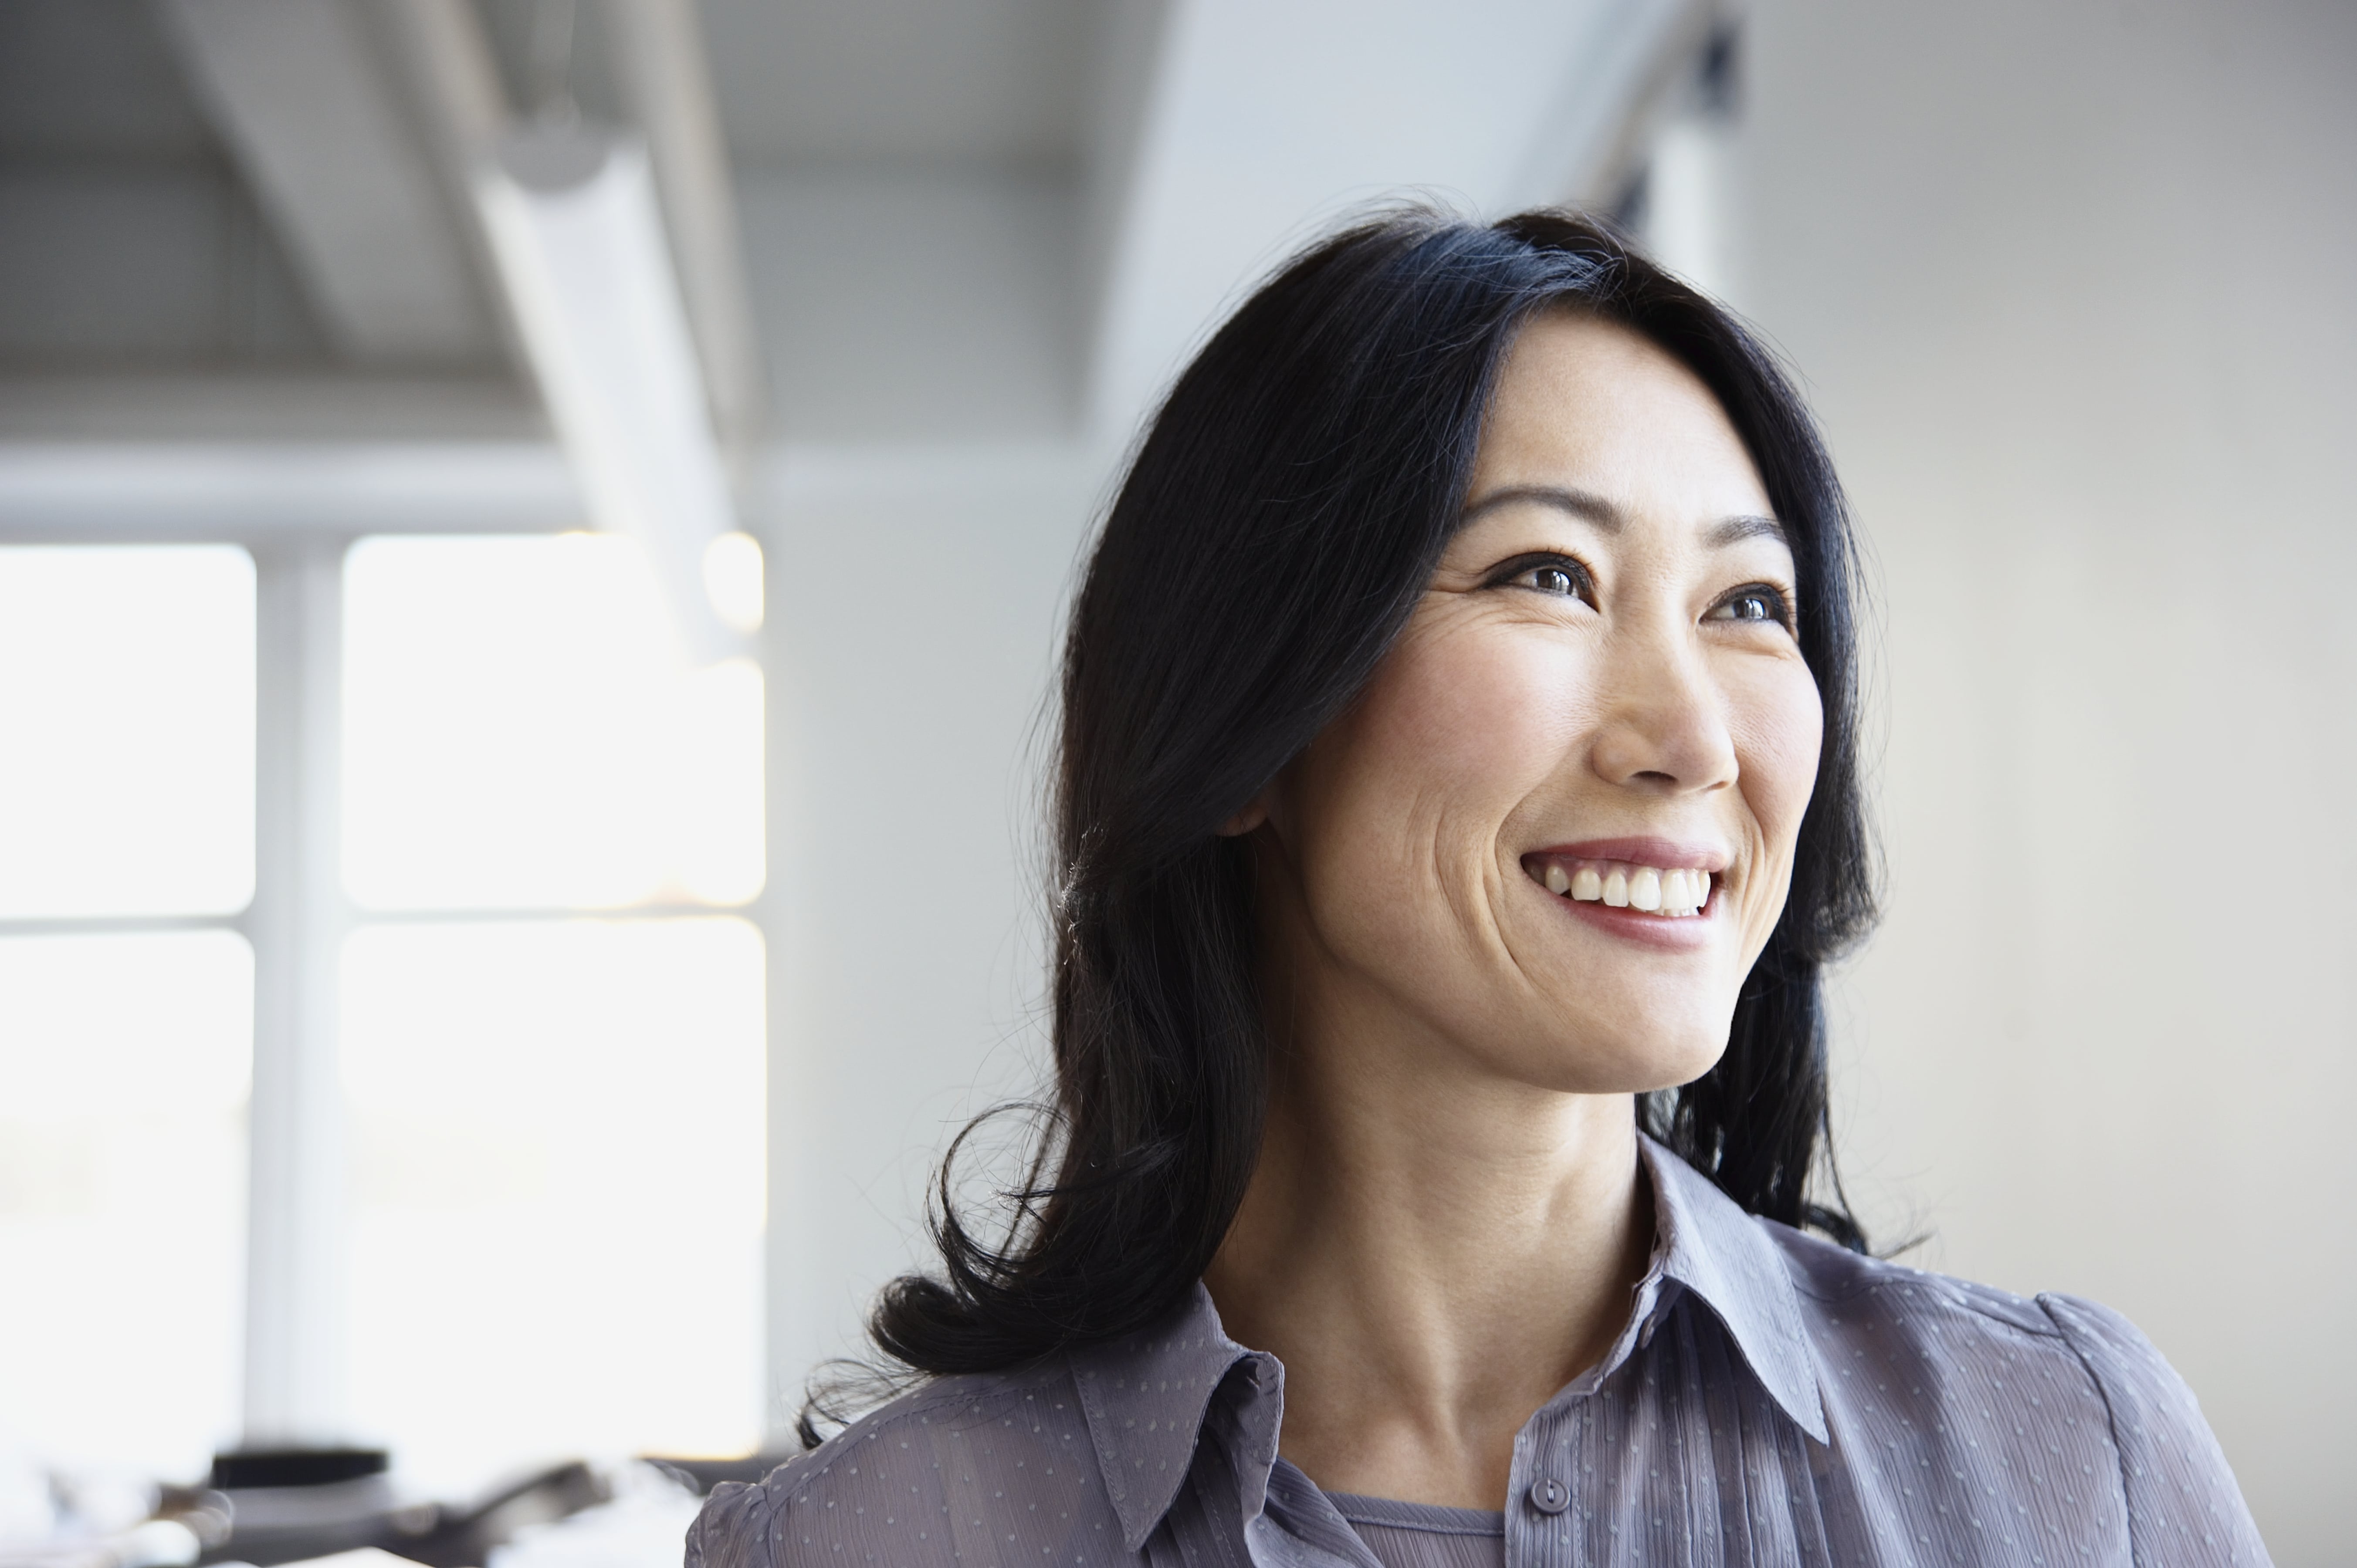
{"x": 1779, "y": 723}
{"x": 1452, "y": 732}
{"x": 1398, "y": 807}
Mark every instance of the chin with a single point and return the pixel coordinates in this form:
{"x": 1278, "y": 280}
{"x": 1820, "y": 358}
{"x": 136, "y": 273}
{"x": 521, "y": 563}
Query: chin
{"x": 1688, "y": 1066}
{"x": 1597, "y": 1061}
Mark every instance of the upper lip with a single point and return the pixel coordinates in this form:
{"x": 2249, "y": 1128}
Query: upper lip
{"x": 1669, "y": 854}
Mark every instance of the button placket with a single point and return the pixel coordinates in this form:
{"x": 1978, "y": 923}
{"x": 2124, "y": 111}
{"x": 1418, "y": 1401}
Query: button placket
{"x": 1541, "y": 1497}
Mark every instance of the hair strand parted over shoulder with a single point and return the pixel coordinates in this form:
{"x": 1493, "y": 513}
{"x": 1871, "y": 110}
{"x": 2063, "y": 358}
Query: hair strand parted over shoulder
{"x": 1281, "y": 518}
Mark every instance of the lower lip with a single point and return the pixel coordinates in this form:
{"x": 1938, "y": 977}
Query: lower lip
{"x": 1670, "y": 933}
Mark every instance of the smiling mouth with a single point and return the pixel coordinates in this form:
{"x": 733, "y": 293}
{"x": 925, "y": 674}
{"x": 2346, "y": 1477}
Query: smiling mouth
{"x": 1668, "y": 892}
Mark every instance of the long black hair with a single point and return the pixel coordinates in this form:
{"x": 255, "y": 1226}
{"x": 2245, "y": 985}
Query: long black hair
{"x": 1282, "y": 515}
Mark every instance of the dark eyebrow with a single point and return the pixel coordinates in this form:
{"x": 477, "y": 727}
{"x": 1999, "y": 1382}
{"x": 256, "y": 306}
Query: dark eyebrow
{"x": 1607, "y": 517}
{"x": 1578, "y": 503}
{"x": 1735, "y": 530}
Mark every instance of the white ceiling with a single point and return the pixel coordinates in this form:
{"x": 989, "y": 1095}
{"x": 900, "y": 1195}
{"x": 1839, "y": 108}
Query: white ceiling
{"x": 965, "y": 217}
{"x": 930, "y": 84}
{"x": 91, "y": 79}
{"x": 911, "y": 81}
{"x": 1267, "y": 121}
{"x": 126, "y": 235}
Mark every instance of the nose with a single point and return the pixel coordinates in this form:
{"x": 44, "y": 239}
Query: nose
{"x": 1663, "y": 728}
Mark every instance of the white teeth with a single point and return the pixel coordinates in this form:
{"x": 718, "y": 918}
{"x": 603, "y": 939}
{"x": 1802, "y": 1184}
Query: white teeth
{"x": 1674, "y": 891}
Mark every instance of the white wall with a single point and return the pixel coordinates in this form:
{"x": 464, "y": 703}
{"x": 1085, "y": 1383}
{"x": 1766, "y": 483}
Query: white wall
{"x": 2071, "y": 288}
{"x": 917, "y": 305}
{"x": 914, "y": 616}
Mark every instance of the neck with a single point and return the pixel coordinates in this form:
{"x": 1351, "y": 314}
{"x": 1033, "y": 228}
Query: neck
{"x": 1433, "y": 1252}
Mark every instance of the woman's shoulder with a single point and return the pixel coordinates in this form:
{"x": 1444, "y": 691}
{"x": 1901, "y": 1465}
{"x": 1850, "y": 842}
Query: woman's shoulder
{"x": 2052, "y": 1374}
{"x": 947, "y": 1472}
{"x": 1849, "y": 1298}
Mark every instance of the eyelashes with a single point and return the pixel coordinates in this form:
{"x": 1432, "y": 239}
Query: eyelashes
{"x": 1754, "y": 603}
{"x": 1556, "y": 577}
{"x": 1564, "y": 576}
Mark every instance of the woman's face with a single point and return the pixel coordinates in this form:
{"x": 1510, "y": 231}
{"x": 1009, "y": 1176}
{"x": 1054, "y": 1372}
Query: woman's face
{"x": 1558, "y": 828}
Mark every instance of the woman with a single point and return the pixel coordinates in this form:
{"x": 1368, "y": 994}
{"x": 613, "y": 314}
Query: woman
{"x": 1458, "y": 800}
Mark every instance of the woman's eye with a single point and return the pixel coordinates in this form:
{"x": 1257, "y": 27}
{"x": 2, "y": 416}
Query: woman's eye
{"x": 1758, "y": 602}
{"x": 1564, "y": 581}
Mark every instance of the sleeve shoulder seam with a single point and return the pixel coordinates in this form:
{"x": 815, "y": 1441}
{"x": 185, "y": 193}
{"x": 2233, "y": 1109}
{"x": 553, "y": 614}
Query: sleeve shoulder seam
{"x": 2046, "y": 1300}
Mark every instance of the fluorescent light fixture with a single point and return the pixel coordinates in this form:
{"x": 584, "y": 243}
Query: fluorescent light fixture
{"x": 578, "y": 241}
{"x": 732, "y": 581}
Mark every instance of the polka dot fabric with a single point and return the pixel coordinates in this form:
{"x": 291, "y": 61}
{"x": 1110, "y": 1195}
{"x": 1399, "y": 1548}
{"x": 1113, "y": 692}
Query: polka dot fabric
{"x": 1772, "y": 1401}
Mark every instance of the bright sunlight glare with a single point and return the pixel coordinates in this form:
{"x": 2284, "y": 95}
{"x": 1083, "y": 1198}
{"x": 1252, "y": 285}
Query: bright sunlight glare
{"x": 123, "y": 1091}
{"x": 518, "y": 734}
{"x": 127, "y": 702}
{"x": 732, "y": 580}
{"x": 557, "y": 1189}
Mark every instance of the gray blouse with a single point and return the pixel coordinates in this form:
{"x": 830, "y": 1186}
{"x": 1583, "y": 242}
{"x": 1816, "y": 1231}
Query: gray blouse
{"x": 1424, "y": 1535}
{"x": 1773, "y": 1400}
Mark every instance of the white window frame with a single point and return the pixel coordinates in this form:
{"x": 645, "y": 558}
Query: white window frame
{"x": 297, "y": 510}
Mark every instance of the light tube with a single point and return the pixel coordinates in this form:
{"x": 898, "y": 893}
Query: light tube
{"x": 578, "y": 241}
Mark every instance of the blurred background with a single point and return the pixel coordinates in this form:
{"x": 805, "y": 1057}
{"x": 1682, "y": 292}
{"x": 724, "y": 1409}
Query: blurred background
{"x": 532, "y": 537}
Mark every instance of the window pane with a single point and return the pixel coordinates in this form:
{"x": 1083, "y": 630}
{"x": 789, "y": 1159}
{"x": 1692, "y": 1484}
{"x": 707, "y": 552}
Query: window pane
{"x": 519, "y": 732}
{"x": 126, "y": 696}
{"x": 123, "y": 1089}
{"x": 557, "y": 1189}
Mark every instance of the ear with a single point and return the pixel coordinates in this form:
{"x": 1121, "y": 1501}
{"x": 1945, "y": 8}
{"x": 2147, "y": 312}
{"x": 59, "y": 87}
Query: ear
{"x": 1244, "y": 821}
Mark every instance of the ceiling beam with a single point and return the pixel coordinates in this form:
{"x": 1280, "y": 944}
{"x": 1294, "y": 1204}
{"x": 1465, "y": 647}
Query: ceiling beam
{"x": 1260, "y": 122}
{"x": 658, "y": 61}
{"x": 298, "y": 92}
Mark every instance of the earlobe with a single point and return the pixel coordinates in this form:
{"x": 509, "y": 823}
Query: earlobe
{"x": 1245, "y": 820}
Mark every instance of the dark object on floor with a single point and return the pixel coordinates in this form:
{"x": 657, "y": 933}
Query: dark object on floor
{"x": 463, "y": 1539}
{"x": 700, "y": 1475}
{"x": 247, "y": 1467}
{"x": 287, "y": 1505}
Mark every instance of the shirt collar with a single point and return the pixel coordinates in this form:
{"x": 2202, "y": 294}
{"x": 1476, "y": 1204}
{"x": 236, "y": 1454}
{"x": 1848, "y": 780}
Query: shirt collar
{"x": 1708, "y": 1245}
{"x": 1146, "y": 1395}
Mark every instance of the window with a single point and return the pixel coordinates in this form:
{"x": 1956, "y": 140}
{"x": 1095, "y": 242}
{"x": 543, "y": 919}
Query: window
{"x": 557, "y": 1189}
{"x": 526, "y": 967}
{"x": 555, "y": 1121}
{"x": 126, "y": 996}
{"x": 129, "y": 706}
{"x": 519, "y": 733}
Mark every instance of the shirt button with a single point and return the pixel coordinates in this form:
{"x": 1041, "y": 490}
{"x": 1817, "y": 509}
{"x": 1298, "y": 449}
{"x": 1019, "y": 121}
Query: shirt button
{"x": 1550, "y": 1496}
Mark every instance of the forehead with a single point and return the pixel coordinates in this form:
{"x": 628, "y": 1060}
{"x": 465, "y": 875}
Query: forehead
{"x": 1589, "y": 404}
